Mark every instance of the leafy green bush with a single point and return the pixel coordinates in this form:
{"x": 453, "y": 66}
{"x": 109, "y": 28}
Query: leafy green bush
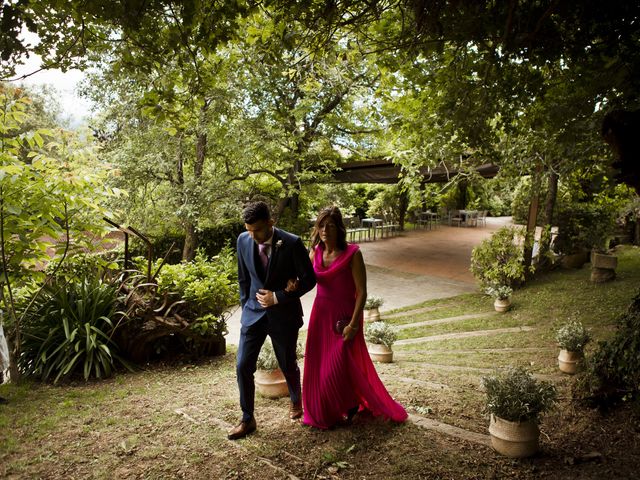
{"x": 183, "y": 309}
{"x": 583, "y": 226}
{"x": 612, "y": 373}
{"x": 573, "y": 336}
{"x": 212, "y": 241}
{"x": 81, "y": 265}
{"x": 208, "y": 287}
{"x": 69, "y": 329}
{"x": 497, "y": 261}
{"x": 515, "y": 395}
{"x": 381, "y": 333}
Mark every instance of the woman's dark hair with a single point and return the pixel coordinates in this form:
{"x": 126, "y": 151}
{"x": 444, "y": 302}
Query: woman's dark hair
{"x": 256, "y": 211}
{"x": 334, "y": 214}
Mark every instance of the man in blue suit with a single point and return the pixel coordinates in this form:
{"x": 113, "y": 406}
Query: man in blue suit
{"x": 268, "y": 259}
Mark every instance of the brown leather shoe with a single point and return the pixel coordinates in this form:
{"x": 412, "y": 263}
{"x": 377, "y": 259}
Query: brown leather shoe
{"x": 242, "y": 430}
{"x": 295, "y": 410}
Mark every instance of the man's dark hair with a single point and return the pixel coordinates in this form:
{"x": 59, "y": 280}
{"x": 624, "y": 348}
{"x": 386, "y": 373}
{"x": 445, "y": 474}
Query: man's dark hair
{"x": 256, "y": 211}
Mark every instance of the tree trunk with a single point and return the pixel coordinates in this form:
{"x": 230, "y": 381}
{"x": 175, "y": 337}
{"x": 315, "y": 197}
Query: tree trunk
{"x": 190, "y": 242}
{"x": 545, "y": 239}
{"x": 191, "y": 235}
{"x": 403, "y": 204}
{"x": 532, "y": 219}
{"x": 14, "y": 373}
{"x": 291, "y": 200}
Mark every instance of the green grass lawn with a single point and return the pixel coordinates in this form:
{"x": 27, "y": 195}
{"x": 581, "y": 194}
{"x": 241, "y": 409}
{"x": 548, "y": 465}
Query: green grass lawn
{"x": 169, "y": 421}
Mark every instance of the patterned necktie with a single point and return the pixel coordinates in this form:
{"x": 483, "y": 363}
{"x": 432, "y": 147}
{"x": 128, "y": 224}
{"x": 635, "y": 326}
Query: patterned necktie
{"x": 262, "y": 253}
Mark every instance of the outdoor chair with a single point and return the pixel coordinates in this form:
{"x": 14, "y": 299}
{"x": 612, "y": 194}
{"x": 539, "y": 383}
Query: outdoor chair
{"x": 390, "y": 226}
{"x": 355, "y": 230}
{"x": 455, "y": 218}
{"x": 482, "y": 218}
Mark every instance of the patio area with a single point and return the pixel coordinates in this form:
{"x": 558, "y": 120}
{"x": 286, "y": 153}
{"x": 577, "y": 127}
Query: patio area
{"x": 412, "y": 267}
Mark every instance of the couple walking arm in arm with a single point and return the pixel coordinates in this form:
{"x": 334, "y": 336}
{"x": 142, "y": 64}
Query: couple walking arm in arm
{"x": 274, "y": 271}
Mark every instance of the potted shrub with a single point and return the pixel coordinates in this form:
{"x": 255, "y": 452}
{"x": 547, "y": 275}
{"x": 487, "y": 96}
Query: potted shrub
{"x": 269, "y": 379}
{"x": 515, "y": 401}
{"x": 371, "y": 308}
{"x": 502, "y": 297}
{"x": 598, "y": 235}
{"x": 572, "y": 338}
{"x": 571, "y": 243}
{"x": 497, "y": 263}
{"x": 380, "y": 337}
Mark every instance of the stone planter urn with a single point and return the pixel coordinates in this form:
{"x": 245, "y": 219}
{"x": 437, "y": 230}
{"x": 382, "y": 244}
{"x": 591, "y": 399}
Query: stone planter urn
{"x": 380, "y": 353}
{"x": 372, "y": 314}
{"x": 603, "y": 267}
{"x": 514, "y": 439}
{"x": 574, "y": 260}
{"x": 502, "y": 304}
{"x": 569, "y": 361}
{"x": 271, "y": 383}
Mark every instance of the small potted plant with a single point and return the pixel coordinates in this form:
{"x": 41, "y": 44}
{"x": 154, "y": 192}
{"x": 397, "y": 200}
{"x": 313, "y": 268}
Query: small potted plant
{"x": 502, "y": 297}
{"x": 380, "y": 337}
{"x": 572, "y": 338}
{"x": 371, "y": 308}
{"x": 269, "y": 379}
{"x": 515, "y": 401}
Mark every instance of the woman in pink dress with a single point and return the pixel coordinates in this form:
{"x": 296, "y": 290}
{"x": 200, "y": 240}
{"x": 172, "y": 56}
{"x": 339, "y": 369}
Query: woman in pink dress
{"x": 339, "y": 376}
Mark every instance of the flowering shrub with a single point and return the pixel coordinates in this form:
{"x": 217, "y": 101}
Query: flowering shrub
{"x": 573, "y": 336}
{"x": 499, "y": 291}
{"x": 373, "y": 302}
{"x": 381, "y": 333}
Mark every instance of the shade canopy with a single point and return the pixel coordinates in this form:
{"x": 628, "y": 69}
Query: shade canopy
{"x": 385, "y": 171}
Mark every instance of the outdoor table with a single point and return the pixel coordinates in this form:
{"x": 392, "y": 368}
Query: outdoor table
{"x": 372, "y": 223}
{"x": 428, "y": 217}
{"x": 464, "y": 214}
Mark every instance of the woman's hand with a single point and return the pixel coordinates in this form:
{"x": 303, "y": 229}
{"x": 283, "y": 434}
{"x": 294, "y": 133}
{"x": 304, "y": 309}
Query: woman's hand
{"x": 292, "y": 285}
{"x": 349, "y": 333}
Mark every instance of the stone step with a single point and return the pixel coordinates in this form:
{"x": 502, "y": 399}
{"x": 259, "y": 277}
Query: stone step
{"x": 476, "y": 333}
{"x": 439, "y": 321}
{"x": 415, "y": 311}
{"x": 472, "y": 351}
{"x": 450, "y": 430}
{"x": 478, "y": 370}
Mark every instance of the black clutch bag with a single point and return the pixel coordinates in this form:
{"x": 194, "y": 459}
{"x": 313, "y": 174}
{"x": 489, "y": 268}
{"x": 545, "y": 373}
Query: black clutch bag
{"x": 340, "y": 324}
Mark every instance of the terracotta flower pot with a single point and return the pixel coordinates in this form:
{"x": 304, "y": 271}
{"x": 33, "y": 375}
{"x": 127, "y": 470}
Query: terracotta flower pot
{"x": 271, "y": 383}
{"x": 380, "y": 353}
{"x": 514, "y": 439}
{"x": 568, "y": 361}
{"x": 372, "y": 315}
{"x": 502, "y": 304}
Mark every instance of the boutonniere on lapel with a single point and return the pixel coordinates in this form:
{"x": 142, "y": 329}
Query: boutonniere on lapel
{"x": 278, "y": 244}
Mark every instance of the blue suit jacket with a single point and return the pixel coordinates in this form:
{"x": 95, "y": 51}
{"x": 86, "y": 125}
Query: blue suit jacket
{"x": 289, "y": 260}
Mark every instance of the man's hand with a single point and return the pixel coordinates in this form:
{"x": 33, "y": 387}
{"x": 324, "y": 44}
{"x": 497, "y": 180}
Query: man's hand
{"x": 266, "y": 298}
{"x": 292, "y": 285}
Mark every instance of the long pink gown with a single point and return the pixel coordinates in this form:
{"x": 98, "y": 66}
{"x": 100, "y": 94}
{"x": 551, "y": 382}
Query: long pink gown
{"x": 339, "y": 375}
